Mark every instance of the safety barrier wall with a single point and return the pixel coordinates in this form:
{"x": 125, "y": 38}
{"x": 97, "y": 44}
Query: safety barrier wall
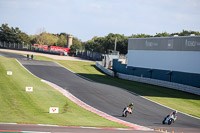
{"x": 107, "y": 71}
{"x": 162, "y": 83}
{"x": 190, "y": 79}
{"x": 186, "y": 88}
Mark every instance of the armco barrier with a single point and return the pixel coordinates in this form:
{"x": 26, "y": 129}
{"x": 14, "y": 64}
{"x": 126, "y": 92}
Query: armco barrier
{"x": 107, "y": 71}
{"x": 181, "y": 87}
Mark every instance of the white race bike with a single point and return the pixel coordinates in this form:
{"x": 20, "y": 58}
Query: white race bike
{"x": 169, "y": 119}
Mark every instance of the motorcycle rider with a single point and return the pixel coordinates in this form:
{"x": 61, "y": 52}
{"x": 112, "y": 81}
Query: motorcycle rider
{"x": 174, "y": 114}
{"x": 170, "y": 118}
{"x": 129, "y": 106}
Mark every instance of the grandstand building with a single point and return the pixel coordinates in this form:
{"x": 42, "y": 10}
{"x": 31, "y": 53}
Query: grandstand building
{"x": 174, "y": 59}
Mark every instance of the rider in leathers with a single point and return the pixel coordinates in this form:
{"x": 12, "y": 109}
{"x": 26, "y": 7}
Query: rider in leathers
{"x": 129, "y": 106}
{"x": 174, "y": 114}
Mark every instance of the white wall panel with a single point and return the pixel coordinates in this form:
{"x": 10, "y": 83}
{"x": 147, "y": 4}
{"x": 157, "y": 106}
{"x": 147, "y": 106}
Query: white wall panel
{"x": 182, "y": 61}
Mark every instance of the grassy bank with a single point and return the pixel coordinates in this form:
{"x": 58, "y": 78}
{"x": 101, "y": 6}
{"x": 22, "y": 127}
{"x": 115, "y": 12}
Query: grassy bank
{"x": 19, "y": 106}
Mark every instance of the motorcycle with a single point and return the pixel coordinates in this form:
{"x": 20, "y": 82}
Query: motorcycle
{"x": 169, "y": 119}
{"x": 126, "y": 111}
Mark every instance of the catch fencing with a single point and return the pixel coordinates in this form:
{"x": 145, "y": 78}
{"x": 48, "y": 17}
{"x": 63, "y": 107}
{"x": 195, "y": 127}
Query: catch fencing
{"x": 103, "y": 69}
{"x": 17, "y": 46}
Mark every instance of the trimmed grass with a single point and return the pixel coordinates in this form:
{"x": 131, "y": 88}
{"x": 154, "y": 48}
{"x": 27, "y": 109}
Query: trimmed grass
{"x": 19, "y": 106}
{"x": 44, "y": 58}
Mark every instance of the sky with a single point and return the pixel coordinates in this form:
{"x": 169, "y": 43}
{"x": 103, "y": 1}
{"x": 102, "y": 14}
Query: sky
{"x": 85, "y": 19}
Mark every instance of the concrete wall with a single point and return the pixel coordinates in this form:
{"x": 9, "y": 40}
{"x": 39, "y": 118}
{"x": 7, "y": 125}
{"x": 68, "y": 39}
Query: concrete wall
{"x": 190, "y": 79}
{"x": 162, "y": 83}
{"x": 107, "y": 71}
{"x": 181, "y": 87}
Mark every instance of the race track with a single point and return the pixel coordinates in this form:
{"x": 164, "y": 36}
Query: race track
{"x": 108, "y": 99}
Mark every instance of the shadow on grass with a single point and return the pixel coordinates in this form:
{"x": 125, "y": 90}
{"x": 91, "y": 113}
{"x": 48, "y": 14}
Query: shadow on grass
{"x": 140, "y": 88}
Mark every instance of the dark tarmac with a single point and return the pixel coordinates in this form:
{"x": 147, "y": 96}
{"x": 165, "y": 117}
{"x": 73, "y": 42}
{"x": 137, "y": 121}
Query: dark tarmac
{"x": 54, "y": 129}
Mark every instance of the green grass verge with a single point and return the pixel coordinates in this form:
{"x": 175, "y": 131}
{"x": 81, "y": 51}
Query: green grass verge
{"x": 181, "y": 101}
{"x": 19, "y": 106}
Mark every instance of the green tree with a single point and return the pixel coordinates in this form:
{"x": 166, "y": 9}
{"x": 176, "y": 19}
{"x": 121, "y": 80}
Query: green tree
{"x": 77, "y": 45}
{"x": 102, "y": 44}
{"x": 164, "y": 34}
{"x": 13, "y": 35}
{"x": 22, "y": 37}
{"x": 45, "y": 39}
{"x": 62, "y": 40}
{"x": 187, "y": 33}
{"x": 76, "y": 41}
{"x": 140, "y": 36}
{"x": 122, "y": 44}
{"x": 6, "y": 33}
{"x": 33, "y": 39}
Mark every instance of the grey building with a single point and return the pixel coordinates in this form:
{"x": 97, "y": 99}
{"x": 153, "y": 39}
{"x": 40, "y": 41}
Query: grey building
{"x": 175, "y": 59}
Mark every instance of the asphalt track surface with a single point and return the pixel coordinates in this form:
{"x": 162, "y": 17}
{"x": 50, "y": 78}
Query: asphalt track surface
{"x": 53, "y": 129}
{"x": 108, "y": 99}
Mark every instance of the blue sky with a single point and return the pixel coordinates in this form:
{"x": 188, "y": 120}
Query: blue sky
{"x": 88, "y": 18}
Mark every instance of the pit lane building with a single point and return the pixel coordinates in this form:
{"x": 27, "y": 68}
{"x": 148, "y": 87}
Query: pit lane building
{"x": 174, "y": 59}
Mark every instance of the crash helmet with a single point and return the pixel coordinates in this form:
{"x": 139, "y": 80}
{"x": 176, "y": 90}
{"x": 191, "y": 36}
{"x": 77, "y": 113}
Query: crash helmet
{"x": 131, "y": 104}
{"x": 175, "y": 112}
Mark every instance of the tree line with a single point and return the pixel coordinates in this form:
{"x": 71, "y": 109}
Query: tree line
{"x": 15, "y": 35}
{"x": 97, "y": 44}
{"x": 102, "y": 44}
